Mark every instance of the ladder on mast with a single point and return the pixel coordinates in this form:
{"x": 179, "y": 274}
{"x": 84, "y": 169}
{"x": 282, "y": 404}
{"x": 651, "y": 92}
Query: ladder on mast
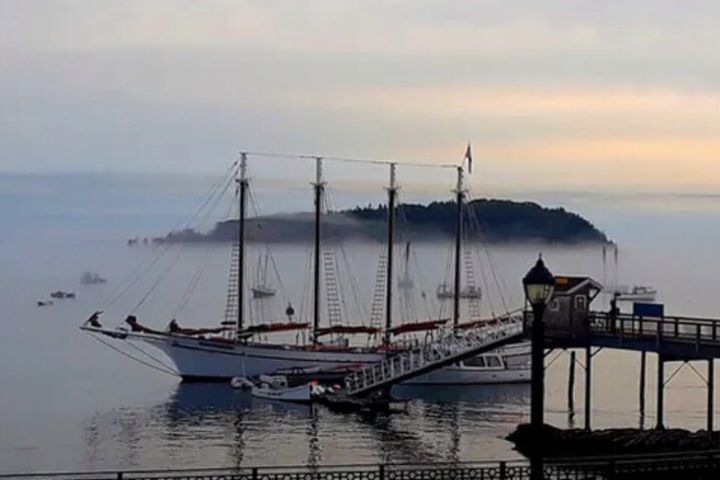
{"x": 332, "y": 290}
{"x": 471, "y": 285}
{"x": 233, "y": 298}
{"x": 378, "y": 303}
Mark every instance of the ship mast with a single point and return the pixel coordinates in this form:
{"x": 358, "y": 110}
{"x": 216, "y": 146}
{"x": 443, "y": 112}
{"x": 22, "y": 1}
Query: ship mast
{"x": 392, "y": 194}
{"x": 243, "y": 186}
{"x": 319, "y": 188}
{"x": 460, "y": 198}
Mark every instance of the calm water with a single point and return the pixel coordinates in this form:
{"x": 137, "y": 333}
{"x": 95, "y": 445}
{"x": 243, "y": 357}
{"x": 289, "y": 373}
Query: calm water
{"x": 68, "y": 402}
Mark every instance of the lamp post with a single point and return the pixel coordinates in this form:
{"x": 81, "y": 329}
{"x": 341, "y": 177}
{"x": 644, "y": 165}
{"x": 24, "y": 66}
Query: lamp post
{"x": 539, "y": 284}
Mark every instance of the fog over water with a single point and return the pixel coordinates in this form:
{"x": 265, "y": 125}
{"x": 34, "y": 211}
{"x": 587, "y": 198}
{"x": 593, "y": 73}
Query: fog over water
{"x": 68, "y": 402}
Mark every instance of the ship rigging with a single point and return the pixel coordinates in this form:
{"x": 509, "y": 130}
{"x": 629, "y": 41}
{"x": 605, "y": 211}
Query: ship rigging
{"x": 236, "y": 348}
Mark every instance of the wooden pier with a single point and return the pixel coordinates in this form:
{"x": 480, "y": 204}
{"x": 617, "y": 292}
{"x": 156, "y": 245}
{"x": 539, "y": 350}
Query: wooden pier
{"x": 570, "y": 324}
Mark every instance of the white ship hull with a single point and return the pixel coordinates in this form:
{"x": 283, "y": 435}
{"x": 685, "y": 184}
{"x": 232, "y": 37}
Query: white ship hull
{"x": 461, "y": 375}
{"x": 203, "y": 360}
{"x": 509, "y": 364}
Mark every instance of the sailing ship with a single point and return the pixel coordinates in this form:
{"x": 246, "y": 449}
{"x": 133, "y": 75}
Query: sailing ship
{"x": 235, "y": 349}
{"x": 262, "y": 288}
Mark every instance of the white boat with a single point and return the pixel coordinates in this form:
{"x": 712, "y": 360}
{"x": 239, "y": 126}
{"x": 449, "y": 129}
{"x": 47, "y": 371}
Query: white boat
{"x": 91, "y": 278}
{"x": 500, "y": 367}
{"x": 275, "y": 387}
{"x": 624, "y": 293}
{"x": 641, "y": 293}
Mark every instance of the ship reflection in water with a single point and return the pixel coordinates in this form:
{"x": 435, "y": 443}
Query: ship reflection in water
{"x": 215, "y": 425}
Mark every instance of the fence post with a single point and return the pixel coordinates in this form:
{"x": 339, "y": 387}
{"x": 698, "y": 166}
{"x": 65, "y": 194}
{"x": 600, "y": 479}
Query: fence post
{"x": 503, "y": 470}
{"x": 119, "y": 476}
{"x": 381, "y": 472}
{"x": 611, "y": 470}
{"x": 254, "y": 473}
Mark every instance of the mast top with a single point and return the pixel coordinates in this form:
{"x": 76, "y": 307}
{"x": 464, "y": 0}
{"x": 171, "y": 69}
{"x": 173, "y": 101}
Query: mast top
{"x": 243, "y": 167}
{"x": 393, "y": 186}
{"x": 319, "y": 172}
{"x": 460, "y": 185}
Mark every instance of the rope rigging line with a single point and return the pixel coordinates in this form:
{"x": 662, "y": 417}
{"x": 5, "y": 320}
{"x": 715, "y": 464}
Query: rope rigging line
{"x": 139, "y": 360}
{"x": 142, "y": 267}
{"x": 174, "y": 261}
{"x": 155, "y": 359}
{"x": 255, "y": 207}
{"x": 366, "y": 161}
{"x": 352, "y": 279}
{"x": 499, "y": 285}
{"x": 199, "y": 271}
{"x": 189, "y": 290}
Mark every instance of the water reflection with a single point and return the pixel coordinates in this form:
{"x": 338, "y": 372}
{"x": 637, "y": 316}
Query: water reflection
{"x": 202, "y": 424}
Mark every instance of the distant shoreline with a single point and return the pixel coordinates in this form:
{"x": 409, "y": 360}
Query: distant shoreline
{"x": 493, "y": 221}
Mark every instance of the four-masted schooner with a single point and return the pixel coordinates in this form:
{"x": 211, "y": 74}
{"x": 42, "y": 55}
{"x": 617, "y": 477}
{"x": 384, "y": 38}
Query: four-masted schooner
{"x": 235, "y": 349}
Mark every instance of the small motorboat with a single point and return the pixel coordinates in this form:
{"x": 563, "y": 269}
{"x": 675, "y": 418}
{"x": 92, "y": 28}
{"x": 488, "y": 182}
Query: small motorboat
{"x": 275, "y": 387}
{"x": 62, "y": 295}
{"x": 242, "y": 383}
{"x": 262, "y": 291}
{"x": 44, "y": 303}
{"x": 91, "y": 278}
{"x": 636, "y": 293}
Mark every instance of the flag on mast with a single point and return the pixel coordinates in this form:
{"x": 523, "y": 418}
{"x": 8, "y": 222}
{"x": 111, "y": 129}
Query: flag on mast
{"x": 468, "y": 157}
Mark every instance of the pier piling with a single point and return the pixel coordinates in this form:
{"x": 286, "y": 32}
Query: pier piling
{"x": 571, "y": 385}
{"x": 660, "y": 392}
{"x": 710, "y": 394}
{"x": 588, "y": 385}
{"x": 643, "y": 367}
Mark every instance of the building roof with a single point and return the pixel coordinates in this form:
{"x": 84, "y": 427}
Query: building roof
{"x": 568, "y": 285}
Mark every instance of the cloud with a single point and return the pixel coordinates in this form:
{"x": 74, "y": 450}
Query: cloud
{"x": 575, "y": 93}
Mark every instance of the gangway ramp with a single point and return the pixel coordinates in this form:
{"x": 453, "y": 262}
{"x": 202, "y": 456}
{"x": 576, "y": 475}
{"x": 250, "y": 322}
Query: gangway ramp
{"x": 450, "y": 347}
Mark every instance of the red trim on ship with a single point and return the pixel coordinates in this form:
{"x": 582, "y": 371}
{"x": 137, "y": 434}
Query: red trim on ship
{"x": 476, "y": 323}
{"x": 276, "y": 327}
{"x": 346, "y": 329}
{"x": 418, "y": 326}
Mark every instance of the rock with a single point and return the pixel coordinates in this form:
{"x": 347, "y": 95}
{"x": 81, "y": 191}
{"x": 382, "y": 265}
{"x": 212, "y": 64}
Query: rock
{"x": 556, "y": 442}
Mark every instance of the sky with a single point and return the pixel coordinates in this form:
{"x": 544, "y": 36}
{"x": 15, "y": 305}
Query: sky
{"x": 602, "y": 97}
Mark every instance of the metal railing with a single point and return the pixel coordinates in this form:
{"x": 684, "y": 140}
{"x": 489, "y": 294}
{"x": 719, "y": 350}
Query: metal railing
{"x": 448, "y": 347}
{"x": 687, "y": 465}
{"x": 679, "y": 329}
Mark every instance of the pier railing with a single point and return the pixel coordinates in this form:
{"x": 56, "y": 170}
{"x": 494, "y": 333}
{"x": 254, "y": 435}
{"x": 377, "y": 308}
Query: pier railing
{"x": 690, "y": 331}
{"x": 687, "y": 465}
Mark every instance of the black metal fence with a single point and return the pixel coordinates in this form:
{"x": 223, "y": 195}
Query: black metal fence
{"x": 684, "y": 466}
